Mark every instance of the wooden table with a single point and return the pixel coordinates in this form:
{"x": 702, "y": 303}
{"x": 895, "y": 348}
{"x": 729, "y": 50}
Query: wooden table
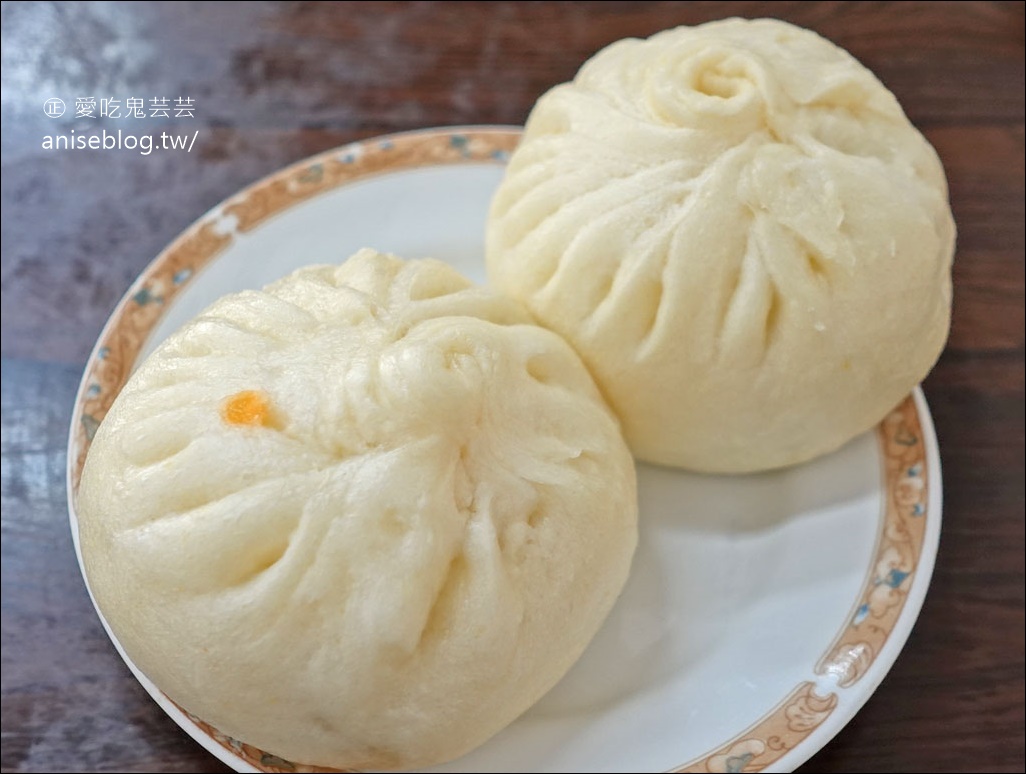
{"x": 272, "y": 83}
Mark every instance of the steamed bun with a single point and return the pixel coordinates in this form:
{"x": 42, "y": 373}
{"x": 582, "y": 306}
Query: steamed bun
{"x": 742, "y": 235}
{"x": 362, "y": 518}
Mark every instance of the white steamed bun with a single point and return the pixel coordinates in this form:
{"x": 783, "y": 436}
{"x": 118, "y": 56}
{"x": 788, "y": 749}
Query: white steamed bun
{"x": 740, "y": 232}
{"x": 362, "y": 518}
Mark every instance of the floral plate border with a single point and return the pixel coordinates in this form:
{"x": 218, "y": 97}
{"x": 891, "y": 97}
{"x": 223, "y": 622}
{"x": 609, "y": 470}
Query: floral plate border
{"x": 909, "y": 520}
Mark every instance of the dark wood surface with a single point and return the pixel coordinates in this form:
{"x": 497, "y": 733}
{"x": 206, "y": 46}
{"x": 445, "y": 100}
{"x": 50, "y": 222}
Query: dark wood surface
{"x": 273, "y": 83}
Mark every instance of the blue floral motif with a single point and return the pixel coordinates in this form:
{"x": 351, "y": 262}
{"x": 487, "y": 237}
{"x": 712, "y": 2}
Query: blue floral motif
{"x": 146, "y": 296}
{"x": 460, "y": 143}
{"x": 500, "y": 155}
{"x": 905, "y": 438}
{"x": 895, "y": 578}
{"x": 279, "y": 763}
{"x": 90, "y": 425}
{"x": 103, "y": 352}
{"x": 860, "y": 614}
{"x": 737, "y": 763}
{"x": 181, "y": 276}
{"x": 386, "y": 145}
{"x": 93, "y": 390}
{"x": 312, "y": 174}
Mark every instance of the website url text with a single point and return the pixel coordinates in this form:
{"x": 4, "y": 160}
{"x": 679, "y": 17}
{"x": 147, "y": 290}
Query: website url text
{"x": 145, "y": 144}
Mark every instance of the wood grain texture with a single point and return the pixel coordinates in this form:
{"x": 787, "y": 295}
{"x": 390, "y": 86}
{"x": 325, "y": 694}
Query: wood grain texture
{"x": 274, "y": 82}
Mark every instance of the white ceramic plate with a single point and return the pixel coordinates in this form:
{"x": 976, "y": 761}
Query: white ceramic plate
{"x": 762, "y": 610}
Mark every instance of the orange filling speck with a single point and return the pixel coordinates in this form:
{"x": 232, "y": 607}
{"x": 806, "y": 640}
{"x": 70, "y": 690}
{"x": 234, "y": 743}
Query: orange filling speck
{"x": 249, "y": 407}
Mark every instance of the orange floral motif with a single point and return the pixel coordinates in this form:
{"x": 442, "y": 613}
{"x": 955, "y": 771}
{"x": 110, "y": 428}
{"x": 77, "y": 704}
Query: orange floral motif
{"x": 910, "y": 491}
{"x": 808, "y": 710}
